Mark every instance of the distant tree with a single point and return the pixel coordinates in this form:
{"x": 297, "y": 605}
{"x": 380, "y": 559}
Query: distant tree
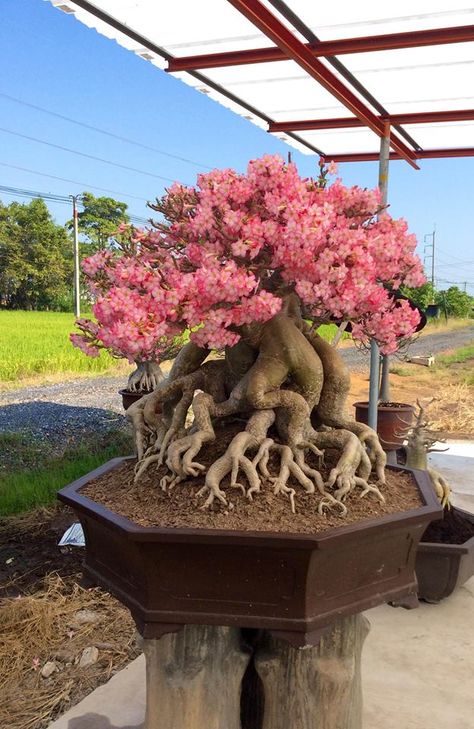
{"x": 455, "y": 302}
{"x": 35, "y": 258}
{"x": 99, "y": 220}
{"x": 421, "y": 296}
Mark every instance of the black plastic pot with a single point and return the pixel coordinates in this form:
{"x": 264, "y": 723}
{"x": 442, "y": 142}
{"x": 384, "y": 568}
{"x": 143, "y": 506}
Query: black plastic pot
{"x": 293, "y": 585}
{"x": 128, "y": 397}
{"x": 442, "y": 568}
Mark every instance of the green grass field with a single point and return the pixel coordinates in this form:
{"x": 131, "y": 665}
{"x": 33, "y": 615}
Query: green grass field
{"x": 36, "y": 343}
{"x": 31, "y": 474}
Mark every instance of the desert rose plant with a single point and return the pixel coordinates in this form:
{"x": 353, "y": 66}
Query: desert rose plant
{"x": 243, "y": 263}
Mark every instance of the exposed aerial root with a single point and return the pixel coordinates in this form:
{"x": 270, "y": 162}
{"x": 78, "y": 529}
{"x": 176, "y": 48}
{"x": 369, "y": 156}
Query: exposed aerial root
{"x": 441, "y": 487}
{"x": 291, "y": 464}
{"x": 280, "y": 375}
{"x": 235, "y": 459}
{"x": 142, "y": 432}
{"x": 353, "y": 467}
{"x": 369, "y": 438}
{"x": 145, "y": 378}
{"x": 154, "y": 430}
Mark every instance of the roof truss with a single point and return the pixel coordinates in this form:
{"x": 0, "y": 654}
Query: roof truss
{"x": 365, "y": 44}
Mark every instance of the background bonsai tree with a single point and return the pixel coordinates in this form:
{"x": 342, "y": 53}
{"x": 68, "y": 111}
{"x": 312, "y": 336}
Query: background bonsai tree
{"x": 420, "y": 439}
{"x": 245, "y": 263}
{"x": 125, "y": 248}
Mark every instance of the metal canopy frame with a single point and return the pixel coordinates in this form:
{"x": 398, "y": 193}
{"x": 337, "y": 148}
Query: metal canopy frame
{"x": 287, "y": 46}
{"x": 306, "y": 55}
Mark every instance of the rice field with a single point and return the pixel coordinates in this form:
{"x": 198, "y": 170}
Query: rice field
{"x": 35, "y": 343}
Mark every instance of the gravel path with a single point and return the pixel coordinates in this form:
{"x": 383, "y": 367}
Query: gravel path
{"x": 90, "y": 405}
{"x": 358, "y": 360}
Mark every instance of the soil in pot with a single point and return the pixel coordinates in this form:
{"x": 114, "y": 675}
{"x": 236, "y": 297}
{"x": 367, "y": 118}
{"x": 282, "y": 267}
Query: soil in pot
{"x": 453, "y": 528}
{"x": 146, "y": 504}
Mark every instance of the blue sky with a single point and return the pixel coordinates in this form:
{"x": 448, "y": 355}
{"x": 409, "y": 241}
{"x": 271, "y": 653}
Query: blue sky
{"x": 49, "y": 60}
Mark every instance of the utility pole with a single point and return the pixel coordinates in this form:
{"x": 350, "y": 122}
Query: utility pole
{"x": 77, "y": 289}
{"x": 432, "y": 255}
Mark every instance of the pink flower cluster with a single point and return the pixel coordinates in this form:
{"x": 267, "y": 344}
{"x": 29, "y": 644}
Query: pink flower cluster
{"x": 232, "y": 246}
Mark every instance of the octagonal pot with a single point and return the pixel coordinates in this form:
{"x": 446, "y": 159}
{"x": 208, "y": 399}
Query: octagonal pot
{"x": 293, "y": 585}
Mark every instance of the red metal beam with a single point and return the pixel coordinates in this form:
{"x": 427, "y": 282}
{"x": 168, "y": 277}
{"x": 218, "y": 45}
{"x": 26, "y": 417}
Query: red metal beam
{"x": 294, "y": 49}
{"x": 424, "y": 154}
{"x": 422, "y": 117}
{"x": 365, "y": 44}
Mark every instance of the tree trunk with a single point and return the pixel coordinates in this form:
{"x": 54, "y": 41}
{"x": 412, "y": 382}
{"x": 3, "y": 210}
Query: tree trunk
{"x": 316, "y": 687}
{"x": 194, "y": 679}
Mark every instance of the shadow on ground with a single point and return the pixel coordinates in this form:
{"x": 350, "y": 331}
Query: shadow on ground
{"x": 97, "y": 721}
{"x": 43, "y": 416}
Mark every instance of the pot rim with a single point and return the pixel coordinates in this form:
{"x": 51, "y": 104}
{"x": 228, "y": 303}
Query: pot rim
{"x": 383, "y": 406}
{"x": 448, "y": 548}
{"x": 124, "y": 391}
{"x": 71, "y": 495}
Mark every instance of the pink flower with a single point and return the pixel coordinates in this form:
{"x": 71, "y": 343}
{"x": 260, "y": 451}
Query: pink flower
{"x": 209, "y": 264}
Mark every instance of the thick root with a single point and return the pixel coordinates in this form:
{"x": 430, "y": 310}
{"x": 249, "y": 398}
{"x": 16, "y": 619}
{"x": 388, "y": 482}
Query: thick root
{"x": 145, "y": 378}
{"x": 441, "y": 487}
{"x": 143, "y": 434}
{"x": 274, "y": 372}
{"x": 353, "y": 467}
{"x": 235, "y": 459}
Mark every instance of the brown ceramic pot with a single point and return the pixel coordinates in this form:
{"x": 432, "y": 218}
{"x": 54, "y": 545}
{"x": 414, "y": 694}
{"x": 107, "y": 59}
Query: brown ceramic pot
{"x": 441, "y": 568}
{"x": 393, "y": 421}
{"x": 294, "y": 585}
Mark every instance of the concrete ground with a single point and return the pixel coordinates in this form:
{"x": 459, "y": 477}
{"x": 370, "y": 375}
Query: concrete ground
{"x": 418, "y": 665}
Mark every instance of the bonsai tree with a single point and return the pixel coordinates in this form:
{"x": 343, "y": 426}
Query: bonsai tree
{"x": 420, "y": 439}
{"x": 126, "y": 246}
{"x": 244, "y": 264}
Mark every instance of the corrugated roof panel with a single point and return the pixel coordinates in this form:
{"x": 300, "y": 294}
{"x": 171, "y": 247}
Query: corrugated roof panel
{"x": 431, "y": 78}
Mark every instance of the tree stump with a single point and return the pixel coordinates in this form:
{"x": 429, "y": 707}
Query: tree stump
{"x": 314, "y": 687}
{"x": 194, "y": 678}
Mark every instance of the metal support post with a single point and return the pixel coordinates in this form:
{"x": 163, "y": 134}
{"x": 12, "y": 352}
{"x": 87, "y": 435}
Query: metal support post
{"x": 374, "y": 347}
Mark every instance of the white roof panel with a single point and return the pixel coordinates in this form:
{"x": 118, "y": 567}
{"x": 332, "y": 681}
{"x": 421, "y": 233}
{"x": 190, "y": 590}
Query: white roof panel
{"x": 422, "y": 79}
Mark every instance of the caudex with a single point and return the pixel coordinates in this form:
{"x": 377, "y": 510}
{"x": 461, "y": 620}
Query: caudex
{"x": 246, "y": 264}
{"x": 420, "y": 439}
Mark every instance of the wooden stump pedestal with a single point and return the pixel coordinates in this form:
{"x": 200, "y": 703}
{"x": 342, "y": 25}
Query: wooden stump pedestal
{"x": 194, "y": 679}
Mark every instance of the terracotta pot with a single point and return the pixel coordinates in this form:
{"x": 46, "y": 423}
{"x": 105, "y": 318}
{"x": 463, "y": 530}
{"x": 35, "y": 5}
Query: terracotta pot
{"x": 293, "y": 585}
{"x": 393, "y": 420}
{"x": 441, "y": 568}
{"x": 128, "y": 397}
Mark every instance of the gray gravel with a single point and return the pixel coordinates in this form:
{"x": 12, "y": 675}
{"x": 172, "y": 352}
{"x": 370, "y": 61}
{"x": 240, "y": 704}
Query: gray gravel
{"x": 67, "y": 411}
{"x": 358, "y": 359}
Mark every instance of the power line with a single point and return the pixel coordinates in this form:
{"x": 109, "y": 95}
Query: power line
{"x": 103, "y": 131}
{"x": 85, "y": 185}
{"x": 18, "y": 192}
{"x": 83, "y": 154}
{"x": 455, "y": 265}
{"x": 450, "y": 255}
{"x": 52, "y": 197}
